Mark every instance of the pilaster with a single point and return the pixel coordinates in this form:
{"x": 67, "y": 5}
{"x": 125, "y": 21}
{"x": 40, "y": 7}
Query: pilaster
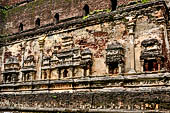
{"x": 41, "y": 41}
{"x": 131, "y": 27}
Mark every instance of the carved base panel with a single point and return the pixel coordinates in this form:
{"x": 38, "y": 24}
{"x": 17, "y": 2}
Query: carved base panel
{"x": 113, "y": 100}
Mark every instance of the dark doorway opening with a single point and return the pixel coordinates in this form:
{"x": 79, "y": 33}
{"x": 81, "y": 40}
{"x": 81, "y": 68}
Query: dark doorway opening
{"x": 113, "y": 68}
{"x": 113, "y": 4}
{"x": 150, "y": 65}
{"x": 85, "y": 71}
{"x": 21, "y": 27}
{"x": 65, "y": 73}
{"x": 56, "y": 18}
{"x": 45, "y": 75}
{"x": 37, "y": 22}
{"x": 86, "y": 10}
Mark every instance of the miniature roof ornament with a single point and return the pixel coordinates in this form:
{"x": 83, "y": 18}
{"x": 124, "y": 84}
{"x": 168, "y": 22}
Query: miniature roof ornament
{"x": 115, "y": 53}
{"x": 114, "y": 45}
{"x": 41, "y": 41}
{"x": 30, "y": 58}
{"x": 152, "y": 49}
{"x": 86, "y": 52}
{"x": 150, "y": 42}
{"x": 12, "y": 59}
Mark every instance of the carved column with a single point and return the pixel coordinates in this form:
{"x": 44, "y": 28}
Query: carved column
{"x": 22, "y": 61}
{"x": 32, "y": 74}
{"x": 41, "y": 45}
{"x": 162, "y": 22}
{"x": 42, "y": 74}
{"x": 84, "y": 71}
{"x": 59, "y": 73}
{"x": 3, "y": 60}
{"x": 120, "y": 67}
{"x": 132, "y": 48}
{"x": 142, "y": 63}
{"x": 48, "y": 73}
{"x": 107, "y": 68}
{"x": 88, "y": 70}
{"x": 71, "y": 72}
{"x": 159, "y": 64}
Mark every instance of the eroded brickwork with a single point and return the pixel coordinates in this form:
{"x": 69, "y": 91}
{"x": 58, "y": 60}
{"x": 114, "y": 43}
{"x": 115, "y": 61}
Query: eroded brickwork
{"x": 46, "y": 11}
{"x": 89, "y": 102}
{"x": 92, "y": 50}
{"x": 105, "y": 61}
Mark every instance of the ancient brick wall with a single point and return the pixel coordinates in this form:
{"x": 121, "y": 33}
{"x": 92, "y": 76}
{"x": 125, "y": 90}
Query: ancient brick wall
{"x": 96, "y": 40}
{"x": 13, "y": 2}
{"x": 109, "y": 61}
{"x": 46, "y": 10}
{"x": 3, "y": 13}
{"x": 1, "y": 21}
{"x": 2, "y": 2}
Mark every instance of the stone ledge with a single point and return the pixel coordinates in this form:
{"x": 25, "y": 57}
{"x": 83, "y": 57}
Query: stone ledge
{"x": 90, "y": 83}
{"x": 94, "y": 78}
{"x": 33, "y": 109}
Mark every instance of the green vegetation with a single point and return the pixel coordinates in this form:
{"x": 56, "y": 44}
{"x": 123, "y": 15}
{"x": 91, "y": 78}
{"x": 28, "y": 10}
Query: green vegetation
{"x": 145, "y": 1}
{"x": 96, "y": 12}
{"x": 54, "y": 96}
{"x": 68, "y": 0}
{"x": 85, "y": 17}
{"x": 3, "y": 14}
{"x": 124, "y": 20}
{"x": 3, "y": 38}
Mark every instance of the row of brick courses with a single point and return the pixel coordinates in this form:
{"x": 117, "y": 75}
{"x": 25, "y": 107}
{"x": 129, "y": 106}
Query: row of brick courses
{"x": 80, "y": 22}
{"x": 46, "y": 10}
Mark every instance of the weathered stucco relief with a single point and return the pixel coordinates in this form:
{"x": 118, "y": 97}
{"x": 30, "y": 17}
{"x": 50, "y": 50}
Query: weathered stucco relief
{"x": 23, "y": 56}
{"x": 93, "y": 38}
{"x": 12, "y": 63}
{"x": 107, "y": 61}
{"x": 91, "y": 51}
{"x": 145, "y": 31}
{"x": 30, "y": 60}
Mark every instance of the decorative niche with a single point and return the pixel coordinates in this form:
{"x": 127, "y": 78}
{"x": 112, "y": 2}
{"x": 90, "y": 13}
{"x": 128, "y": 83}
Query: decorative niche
{"x": 151, "y": 57}
{"x": 115, "y": 58}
